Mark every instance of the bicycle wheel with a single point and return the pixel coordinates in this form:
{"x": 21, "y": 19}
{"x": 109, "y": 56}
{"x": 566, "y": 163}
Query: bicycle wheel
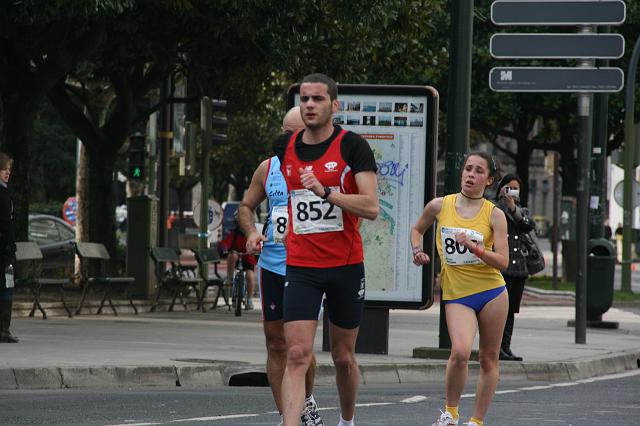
{"x": 238, "y": 282}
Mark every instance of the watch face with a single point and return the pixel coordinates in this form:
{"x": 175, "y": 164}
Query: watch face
{"x": 327, "y": 191}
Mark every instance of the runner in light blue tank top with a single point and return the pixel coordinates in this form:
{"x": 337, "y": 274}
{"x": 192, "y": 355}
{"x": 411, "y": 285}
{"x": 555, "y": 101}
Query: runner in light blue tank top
{"x": 273, "y": 254}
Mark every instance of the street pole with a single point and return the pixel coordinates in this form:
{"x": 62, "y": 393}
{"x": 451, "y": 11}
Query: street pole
{"x": 165, "y": 135}
{"x": 629, "y": 157}
{"x": 599, "y": 163}
{"x": 556, "y": 216}
{"x": 582, "y": 199}
{"x": 458, "y": 113}
{"x": 206, "y": 121}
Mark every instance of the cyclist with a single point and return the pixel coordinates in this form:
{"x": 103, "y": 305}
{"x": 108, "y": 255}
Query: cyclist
{"x": 268, "y": 183}
{"x": 235, "y": 243}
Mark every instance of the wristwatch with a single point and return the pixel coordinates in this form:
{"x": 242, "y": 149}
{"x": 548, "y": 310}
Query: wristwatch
{"x": 327, "y": 191}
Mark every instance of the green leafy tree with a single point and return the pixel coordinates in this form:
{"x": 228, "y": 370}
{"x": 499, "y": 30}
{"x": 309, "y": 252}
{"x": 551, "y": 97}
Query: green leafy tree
{"x": 40, "y": 43}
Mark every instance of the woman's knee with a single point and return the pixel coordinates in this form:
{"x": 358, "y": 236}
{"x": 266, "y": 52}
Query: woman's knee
{"x": 488, "y": 360}
{"x": 460, "y": 356}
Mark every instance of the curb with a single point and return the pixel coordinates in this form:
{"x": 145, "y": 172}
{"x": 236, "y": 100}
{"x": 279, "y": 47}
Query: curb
{"x": 541, "y": 292}
{"x": 202, "y": 376}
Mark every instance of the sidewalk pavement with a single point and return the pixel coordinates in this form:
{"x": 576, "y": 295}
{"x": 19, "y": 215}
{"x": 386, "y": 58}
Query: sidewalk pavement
{"x": 195, "y": 349}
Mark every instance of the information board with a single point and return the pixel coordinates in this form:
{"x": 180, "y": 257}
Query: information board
{"x": 400, "y": 124}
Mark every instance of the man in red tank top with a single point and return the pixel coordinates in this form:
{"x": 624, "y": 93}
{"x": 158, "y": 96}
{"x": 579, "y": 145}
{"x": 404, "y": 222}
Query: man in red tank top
{"x": 331, "y": 178}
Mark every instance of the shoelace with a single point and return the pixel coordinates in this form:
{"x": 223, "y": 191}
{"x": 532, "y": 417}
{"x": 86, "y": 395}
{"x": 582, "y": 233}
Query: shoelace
{"x": 445, "y": 418}
{"x": 310, "y": 416}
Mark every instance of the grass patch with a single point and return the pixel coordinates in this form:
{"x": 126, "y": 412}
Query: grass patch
{"x": 546, "y": 283}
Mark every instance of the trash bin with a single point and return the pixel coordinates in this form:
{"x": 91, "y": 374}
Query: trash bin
{"x": 601, "y": 262}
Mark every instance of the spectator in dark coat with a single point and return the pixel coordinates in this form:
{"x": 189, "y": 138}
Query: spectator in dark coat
{"x": 7, "y": 250}
{"x": 519, "y": 223}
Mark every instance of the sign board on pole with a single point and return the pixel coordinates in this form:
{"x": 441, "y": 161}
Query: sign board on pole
{"x": 215, "y": 214}
{"x": 69, "y": 211}
{"x": 556, "y": 46}
{"x": 400, "y": 123}
{"x": 618, "y": 193}
{"x": 553, "y": 12}
{"x": 549, "y": 79}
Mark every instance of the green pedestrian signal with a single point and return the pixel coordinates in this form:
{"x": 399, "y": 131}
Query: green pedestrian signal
{"x": 137, "y": 156}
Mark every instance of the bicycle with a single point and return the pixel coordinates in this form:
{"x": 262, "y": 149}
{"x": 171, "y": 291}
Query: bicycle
{"x": 238, "y": 288}
{"x": 239, "y": 285}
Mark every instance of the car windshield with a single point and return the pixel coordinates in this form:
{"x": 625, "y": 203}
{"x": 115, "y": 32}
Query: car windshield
{"x": 44, "y": 232}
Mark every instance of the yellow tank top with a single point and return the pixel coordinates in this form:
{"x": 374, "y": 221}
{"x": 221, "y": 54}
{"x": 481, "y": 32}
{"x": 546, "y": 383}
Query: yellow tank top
{"x": 462, "y": 273}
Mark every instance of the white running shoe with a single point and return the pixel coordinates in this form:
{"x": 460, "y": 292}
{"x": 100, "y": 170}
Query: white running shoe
{"x": 446, "y": 419}
{"x": 249, "y": 305}
{"x": 471, "y": 424}
{"x": 310, "y": 414}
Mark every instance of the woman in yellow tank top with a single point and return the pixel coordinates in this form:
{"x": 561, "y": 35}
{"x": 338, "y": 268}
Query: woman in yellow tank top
{"x": 471, "y": 237}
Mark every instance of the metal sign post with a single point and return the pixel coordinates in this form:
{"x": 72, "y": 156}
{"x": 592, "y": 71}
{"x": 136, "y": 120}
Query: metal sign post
{"x": 584, "y": 80}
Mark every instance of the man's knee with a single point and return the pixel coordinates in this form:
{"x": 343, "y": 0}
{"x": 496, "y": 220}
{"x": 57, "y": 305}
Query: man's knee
{"x": 276, "y": 343}
{"x": 299, "y": 355}
{"x": 343, "y": 359}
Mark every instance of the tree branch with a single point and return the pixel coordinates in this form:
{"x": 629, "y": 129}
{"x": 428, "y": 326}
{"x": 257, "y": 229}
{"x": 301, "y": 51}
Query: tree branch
{"x": 74, "y": 117}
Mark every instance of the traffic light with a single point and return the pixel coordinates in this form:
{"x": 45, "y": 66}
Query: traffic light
{"x": 219, "y": 108}
{"x": 137, "y": 156}
{"x": 209, "y": 122}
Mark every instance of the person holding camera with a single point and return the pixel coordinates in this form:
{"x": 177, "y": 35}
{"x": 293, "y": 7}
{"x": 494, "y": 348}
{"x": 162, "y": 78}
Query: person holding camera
{"x": 519, "y": 223}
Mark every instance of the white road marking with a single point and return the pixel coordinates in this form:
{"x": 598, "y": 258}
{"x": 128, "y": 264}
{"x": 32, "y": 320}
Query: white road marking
{"x": 413, "y": 399}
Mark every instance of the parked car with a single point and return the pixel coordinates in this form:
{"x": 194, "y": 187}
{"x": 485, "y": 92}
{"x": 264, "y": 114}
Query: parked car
{"x": 56, "y": 239}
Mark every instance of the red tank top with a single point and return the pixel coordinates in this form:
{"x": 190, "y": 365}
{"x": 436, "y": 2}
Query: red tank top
{"x": 321, "y": 249}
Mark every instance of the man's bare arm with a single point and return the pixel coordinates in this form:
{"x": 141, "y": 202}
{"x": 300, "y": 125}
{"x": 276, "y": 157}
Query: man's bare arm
{"x": 250, "y": 202}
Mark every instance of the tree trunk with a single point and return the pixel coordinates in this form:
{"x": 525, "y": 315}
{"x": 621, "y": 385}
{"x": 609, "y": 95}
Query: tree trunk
{"x": 82, "y": 199}
{"x": 522, "y": 169}
{"x": 102, "y": 227}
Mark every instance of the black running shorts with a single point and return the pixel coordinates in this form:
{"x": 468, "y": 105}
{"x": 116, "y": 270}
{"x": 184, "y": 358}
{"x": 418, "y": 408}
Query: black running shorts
{"x": 271, "y": 294}
{"x": 344, "y": 287}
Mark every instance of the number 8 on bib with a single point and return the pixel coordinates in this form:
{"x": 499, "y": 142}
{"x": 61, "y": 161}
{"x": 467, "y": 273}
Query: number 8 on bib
{"x": 456, "y": 254}
{"x": 311, "y": 214}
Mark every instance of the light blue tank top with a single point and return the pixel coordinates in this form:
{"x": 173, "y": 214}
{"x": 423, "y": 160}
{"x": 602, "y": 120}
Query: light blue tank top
{"x": 274, "y": 256}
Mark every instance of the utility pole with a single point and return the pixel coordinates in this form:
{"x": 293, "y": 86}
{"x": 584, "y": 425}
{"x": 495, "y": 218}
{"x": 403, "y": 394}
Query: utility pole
{"x": 556, "y": 216}
{"x": 599, "y": 163}
{"x": 165, "y": 136}
{"x": 206, "y": 118}
{"x": 629, "y": 159}
{"x": 582, "y": 199}
{"x": 458, "y": 113}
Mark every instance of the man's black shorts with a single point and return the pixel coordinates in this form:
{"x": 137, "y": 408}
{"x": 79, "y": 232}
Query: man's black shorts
{"x": 344, "y": 287}
{"x": 271, "y": 294}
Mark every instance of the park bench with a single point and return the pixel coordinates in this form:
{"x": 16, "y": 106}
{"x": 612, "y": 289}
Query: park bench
{"x": 94, "y": 257}
{"x": 205, "y": 258}
{"x": 28, "y": 269}
{"x": 172, "y": 277}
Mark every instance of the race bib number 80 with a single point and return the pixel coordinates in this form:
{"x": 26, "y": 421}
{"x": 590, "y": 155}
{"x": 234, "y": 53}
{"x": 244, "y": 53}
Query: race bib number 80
{"x": 279, "y": 218}
{"x": 311, "y": 214}
{"x": 457, "y": 254}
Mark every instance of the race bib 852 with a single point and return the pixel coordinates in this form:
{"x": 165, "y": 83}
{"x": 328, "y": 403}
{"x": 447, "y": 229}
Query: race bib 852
{"x": 311, "y": 214}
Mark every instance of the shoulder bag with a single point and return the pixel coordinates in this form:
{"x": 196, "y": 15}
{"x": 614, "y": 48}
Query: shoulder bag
{"x": 535, "y": 260}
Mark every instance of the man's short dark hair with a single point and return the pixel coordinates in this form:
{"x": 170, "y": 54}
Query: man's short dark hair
{"x": 332, "y": 87}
